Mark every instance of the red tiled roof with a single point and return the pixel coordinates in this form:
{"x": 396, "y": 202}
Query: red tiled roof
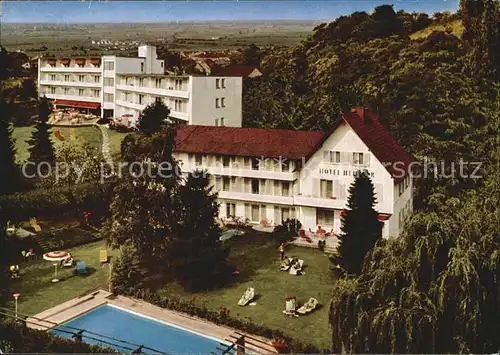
{"x": 251, "y": 142}
{"x": 380, "y": 141}
{"x": 236, "y": 70}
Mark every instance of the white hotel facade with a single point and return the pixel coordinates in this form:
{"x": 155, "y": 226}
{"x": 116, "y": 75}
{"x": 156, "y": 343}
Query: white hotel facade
{"x": 273, "y": 175}
{"x": 112, "y": 86}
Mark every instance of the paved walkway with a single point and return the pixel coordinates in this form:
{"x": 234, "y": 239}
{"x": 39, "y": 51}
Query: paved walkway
{"x": 68, "y": 310}
{"x": 105, "y": 144}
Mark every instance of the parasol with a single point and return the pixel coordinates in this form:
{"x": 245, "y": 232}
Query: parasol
{"x": 55, "y": 256}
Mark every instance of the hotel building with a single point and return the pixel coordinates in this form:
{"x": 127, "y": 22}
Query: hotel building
{"x": 112, "y": 86}
{"x": 273, "y": 175}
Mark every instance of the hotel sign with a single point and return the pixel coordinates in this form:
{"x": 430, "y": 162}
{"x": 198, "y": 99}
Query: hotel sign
{"x": 338, "y": 172}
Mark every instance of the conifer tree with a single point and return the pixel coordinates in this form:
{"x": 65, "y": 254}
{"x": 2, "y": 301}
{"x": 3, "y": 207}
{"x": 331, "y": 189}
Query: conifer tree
{"x": 9, "y": 171}
{"x": 153, "y": 118}
{"x": 127, "y": 275}
{"x": 41, "y": 148}
{"x": 361, "y": 228}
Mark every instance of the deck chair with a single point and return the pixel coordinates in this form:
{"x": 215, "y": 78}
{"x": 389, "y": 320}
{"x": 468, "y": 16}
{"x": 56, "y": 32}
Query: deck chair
{"x": 68, "y": 262}
{"x": 296, "y": 269}
{"x": 103, "y": 256}
{"x": 247, "y": 297}
{"x": 309, "y": 306}
{"x": 35, "y": 225}
{"x": 290, "y": 306}
{"x": 81, "y": 268}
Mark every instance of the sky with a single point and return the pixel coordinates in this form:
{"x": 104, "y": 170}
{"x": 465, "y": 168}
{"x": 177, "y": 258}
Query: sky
{"x": 167, "y": 11}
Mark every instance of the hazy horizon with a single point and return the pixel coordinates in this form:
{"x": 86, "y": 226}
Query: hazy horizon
{"x": 127, "y": 12}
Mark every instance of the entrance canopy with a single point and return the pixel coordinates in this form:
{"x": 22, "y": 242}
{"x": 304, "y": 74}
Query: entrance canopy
{"x": 81, "y": 104}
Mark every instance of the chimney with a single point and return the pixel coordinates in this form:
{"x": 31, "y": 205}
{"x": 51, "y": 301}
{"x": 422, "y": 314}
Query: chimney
{"x": 362, "y": 112}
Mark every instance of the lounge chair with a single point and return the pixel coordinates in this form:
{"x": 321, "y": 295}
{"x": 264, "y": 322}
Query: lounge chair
{"x": 81, "y": 268}
{"x": 296, "y": 268}
{"x": 290, "y": 305}
{"x": 35, "y": 225}
{"x": 247, "y": 297}
{"x": 103, "y": 256}
{"x": 309, "y": 306}
{"x": 68, "y": 262}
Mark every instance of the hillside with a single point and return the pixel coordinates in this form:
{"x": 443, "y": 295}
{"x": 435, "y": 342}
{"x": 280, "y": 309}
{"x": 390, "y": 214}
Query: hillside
{"x": 456, "y": 27}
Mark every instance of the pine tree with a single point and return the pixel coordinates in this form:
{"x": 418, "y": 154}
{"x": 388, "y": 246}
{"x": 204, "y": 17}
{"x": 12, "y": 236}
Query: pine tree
{"x": 198, "y": 257}
{"x": 9, "y": 171}
{"x": 361, "y": 228}
{"x": 41, "y": 149}
{"x": 153, "y": 118}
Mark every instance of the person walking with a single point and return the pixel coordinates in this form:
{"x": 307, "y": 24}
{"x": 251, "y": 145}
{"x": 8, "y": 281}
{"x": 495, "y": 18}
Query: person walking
{"x": 282, "y": 251}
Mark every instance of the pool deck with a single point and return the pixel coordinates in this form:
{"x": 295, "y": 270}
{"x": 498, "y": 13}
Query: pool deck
{"x": 66, "y": 311}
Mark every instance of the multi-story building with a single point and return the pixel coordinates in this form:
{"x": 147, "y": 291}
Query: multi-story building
{"x": 112, "y": 86}
{"x": 273, "y": 175}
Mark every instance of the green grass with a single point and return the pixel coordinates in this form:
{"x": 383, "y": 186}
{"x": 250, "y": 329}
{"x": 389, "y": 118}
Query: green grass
{"x": 456, "y": 27}
{"x": 39, "y": 293}
{"x": 115, "y": 141}
{"x": 256, "y": 257}
{"x": 91, "y": 135}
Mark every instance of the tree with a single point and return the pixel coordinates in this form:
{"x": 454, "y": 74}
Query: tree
{"x": 153, "y": 118}
{"x": 41, "y": 149}
{"x": 198, "y": 257}
{"x": 127, "y": 275}
{"x": 9, "y": 171}
{"x": 361, "y": 228}
{"x": 28, "y": 90}
{"x": 287, "y": 230}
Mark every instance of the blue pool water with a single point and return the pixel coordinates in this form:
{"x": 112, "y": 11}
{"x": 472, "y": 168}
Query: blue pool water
{"x": 113, "y": 322}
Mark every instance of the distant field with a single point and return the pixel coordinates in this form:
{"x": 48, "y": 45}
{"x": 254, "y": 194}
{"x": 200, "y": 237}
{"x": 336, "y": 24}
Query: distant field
{"x": 59, "y": 39}
{"x": 456, "y": 28}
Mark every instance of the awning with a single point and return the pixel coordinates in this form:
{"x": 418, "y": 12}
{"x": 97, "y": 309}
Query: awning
{"x": 81, "y": 104}
{"x": 51, "y": 61}
{"x": 381, "y": 216}
{"x": 80, "y": 61}
{"x": 95, "y": 61}
{"x": 65, "y": 61}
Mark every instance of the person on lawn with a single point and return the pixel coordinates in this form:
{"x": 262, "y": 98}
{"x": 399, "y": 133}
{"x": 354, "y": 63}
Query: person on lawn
{"x": 282, "y": 252}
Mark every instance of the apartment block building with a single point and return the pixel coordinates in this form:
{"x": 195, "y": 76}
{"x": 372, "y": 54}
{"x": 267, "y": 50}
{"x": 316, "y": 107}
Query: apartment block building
{"x": 112, "y": 86}
{"x": 273, "y": 175}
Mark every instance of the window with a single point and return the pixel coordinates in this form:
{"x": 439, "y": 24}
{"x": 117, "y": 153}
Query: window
{"x": 226, "y": 161}
{"x": 109, "y": 97}
{"x": 178, "y": 105}
{"x": 326, "y": 187}
{"x": 141, "y": 82}
{"x": 198, "y": 159}
{"x": 230, "y": 210}
{"x": 109, "y": 65}
{"x": 285, "y": 213}
{"x": 216, "y": 122}
{"x": 81, "y": 78}
{"x": 141, "y": 99}
{"x": 255, "y": 212}
{"x": 66, "y": 91}
{"x": 324, "y": 217}
{"x": 97, "y": 79}
{"x": 255, "y": 164}
{"x": 81, "y": 92}
{"x": 222, "y": 103}
{"x": 217, "y": 103}
{"x": 96, "y": 93}
{"x": 285, "y": 188}
{"x": 223, "y": 83}
{"x": 52, "y": 90}
{"x": 331, "y": 156}
{"x": 285, "y": 165}
{"x": 142, "y": 67}
{"x": 125, "y": 96}
{"x": 158, "y": 83}
{"x": 255, "y": 186}
{"x": 222, "y": 121}
{"x": 357, "y": 158}
{"x": 217, "y": 83}
{"x": 226, "y": 183}
{"x": 161, "y": 64}
{"x": 66, "y": 78}
{"x": 178, "y": 84}
{"x": 53, "y": 77}
{"x": 109, "y": 81}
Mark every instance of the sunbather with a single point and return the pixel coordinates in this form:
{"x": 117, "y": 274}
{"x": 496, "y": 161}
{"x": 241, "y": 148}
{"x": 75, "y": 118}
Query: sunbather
{"x": 296, "y": 268}
{"x": 309, "y": 306}
{"x": 286, "y": 264}
{"x": 247, "y": 297}
{"x": 290, "y": 305}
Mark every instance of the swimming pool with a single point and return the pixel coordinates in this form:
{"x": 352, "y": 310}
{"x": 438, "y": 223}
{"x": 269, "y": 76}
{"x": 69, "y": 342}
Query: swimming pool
{"x": 124, "y": 325}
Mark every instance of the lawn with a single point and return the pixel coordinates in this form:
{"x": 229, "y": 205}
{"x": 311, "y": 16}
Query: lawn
{"x": 91, "y": 135}
{"x": 115, "y": 141}
{"x": 37, "y": 291}
{"x": 256, "y": 257}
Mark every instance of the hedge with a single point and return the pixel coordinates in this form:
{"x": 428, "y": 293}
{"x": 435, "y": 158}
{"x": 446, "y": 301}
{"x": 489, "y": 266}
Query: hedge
{"x": 54, "y": 201}
{"x": 16, "y": 338}
{"x": 222, "y": 318}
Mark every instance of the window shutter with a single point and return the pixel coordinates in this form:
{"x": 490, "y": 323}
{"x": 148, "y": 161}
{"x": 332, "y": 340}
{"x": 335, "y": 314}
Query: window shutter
{"x": 316, "y": 188}
{"x": 326, "y": 155}
{"x": 248, "y": 185}
{"x": 344, "y": 157}
{"x": 366, "y": 158}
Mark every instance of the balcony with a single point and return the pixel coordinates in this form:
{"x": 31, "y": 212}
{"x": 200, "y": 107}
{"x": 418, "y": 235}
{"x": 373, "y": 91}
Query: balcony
{"x": 135, "y": 106}
{"x": 92, "y": 84}
{"x": 311, "y": 201}
{"x": 74, "y": 69}
{"x": 244, "y": 172}
{"x": 154, "y": 91}
{"x": 245, "y": 196}
{"x": 72, "y": 97}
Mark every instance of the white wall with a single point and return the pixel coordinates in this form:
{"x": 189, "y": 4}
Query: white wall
{"x": 128, "y": 65}
{"x": 203, "y": 111}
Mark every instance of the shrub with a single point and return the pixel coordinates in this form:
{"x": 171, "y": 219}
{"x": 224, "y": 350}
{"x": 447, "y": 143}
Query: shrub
{"x": 287, "y": 230}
